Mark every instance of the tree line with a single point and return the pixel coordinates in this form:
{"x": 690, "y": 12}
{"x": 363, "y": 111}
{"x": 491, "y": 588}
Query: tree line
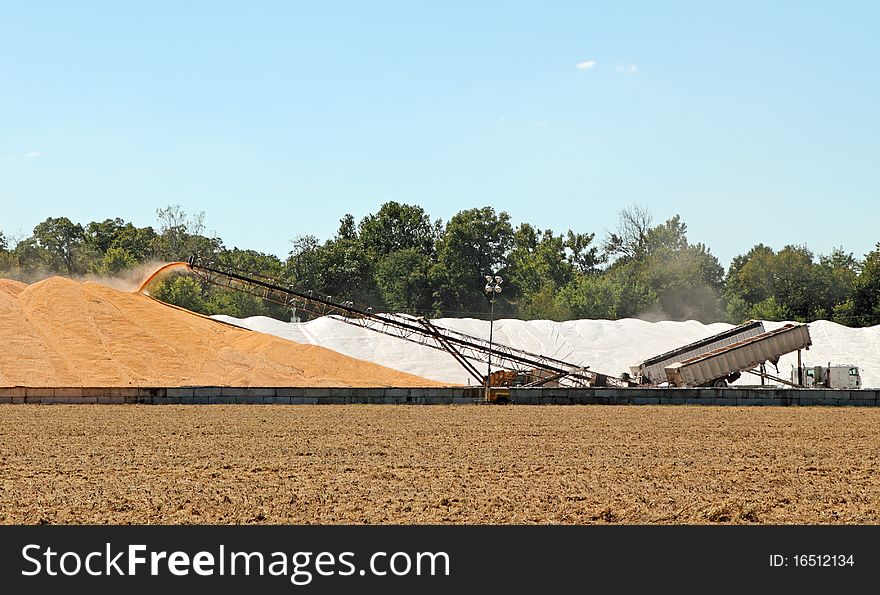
{"x": 399, "y": 259}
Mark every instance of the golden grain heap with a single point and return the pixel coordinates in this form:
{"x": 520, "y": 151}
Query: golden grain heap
{"x": 63, "y": 333}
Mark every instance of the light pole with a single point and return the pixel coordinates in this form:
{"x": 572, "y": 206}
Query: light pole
{"x": 492, "y": 289}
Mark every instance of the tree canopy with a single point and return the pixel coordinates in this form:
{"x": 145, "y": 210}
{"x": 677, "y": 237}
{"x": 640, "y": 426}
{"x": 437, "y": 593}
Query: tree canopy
{"x": 401, "y": 260}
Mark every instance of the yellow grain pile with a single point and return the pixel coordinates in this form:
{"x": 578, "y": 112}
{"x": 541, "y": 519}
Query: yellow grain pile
{"x": 61, "y": 332}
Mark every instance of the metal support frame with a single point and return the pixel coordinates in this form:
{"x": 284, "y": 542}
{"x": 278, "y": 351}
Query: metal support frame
{"x": 465, "y": 348}
{"x": 772, "y": 377}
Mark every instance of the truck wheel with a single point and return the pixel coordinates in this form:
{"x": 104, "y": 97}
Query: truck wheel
{"x": 719, "y": 383}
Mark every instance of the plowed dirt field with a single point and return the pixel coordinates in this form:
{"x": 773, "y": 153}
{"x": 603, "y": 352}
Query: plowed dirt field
{"x": 435, "y": 464}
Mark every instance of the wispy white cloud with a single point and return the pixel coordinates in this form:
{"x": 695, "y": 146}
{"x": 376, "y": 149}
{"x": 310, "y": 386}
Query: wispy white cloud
{"x": 33, "y": 155}
{"x": 586, "y": 64}
{"x": 627, "y": 68}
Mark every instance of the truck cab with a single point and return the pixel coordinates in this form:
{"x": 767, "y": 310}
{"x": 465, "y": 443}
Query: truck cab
{"x": 830, "y": 376}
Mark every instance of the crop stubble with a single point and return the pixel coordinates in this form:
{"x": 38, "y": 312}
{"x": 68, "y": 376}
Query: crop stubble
{"x": 437, "y": 464}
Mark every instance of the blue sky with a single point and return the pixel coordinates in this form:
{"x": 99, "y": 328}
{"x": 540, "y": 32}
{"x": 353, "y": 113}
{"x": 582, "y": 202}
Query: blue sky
{"x": 756, "y": 122}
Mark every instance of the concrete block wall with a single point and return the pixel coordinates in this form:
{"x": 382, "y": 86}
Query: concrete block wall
{"x": 207, "y": 395}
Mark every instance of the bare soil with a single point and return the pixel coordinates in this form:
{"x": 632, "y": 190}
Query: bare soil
{"x": 438, "y": 464}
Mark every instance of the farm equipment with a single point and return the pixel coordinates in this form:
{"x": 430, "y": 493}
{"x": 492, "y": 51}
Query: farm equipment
{"x": 652, "y": 371}
{"x": 836, "y": 376}
{"x": 722, "y": 358}
{"x": 500, "y": 382}
{"x": 723, "y": 365}
{"x": 541, "y": 370}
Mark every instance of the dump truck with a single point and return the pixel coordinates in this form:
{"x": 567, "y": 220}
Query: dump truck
{"x": 724, "y": 365}
{"x": 836, "y": 376}
{"x": 652, "y": 371}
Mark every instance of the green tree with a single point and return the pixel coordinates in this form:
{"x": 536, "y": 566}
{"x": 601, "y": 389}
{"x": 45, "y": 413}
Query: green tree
{"x": 402, "y": 277}
{"x": 347, "y": 273}
{"x": 221, "y": 300}
{"x": 474, "y": 243}
{"x": 142, "y": 243}
{"x": 752, "y": 276}
{"x": 181, "y": 235}
{"x": 302, "y": 268}
{"x": 628, "y": 242}
{"x": 58, "y": 242}
{"x": 538, "y": 266}
{"x": 398, "y": 227}
{"x": 770, "y": 309}
{"x": 115, "y": 261}
{"x": 836, "y": 276}
{"x": 866, "y": 294}
{"x": 101, "y": 235}
{"x": 660, "y": 264}
{"x": 182, "y": 291}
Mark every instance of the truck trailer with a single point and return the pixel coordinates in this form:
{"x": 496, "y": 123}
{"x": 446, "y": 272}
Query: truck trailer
{"x": 725, "y": 364}
{"x": 653, "y": 370}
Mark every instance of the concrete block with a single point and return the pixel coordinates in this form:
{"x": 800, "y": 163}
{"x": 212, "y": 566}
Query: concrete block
{"x": 96, "y": 391}
{"x": 12, "y": 391}
{"x": 697, "y": 400}
{"x": 772, "y": 402}
{"x": 646, "y": 400}
{"x": 217, "y": 399}
{"x": 671, "y": 400}
{"x": 465, "y": 400}
{"x": 198, "y": 400}
{"x": 110, "y": 400}
{"x": 318, "y": 393}
{"x": 6, "y": 400}
{"x": 288, "y": 392}
{"x": 396, "y": 392}
{"x": 35, "y": 393}
{"x": 77, "y": 400}
{"x": 859, "y": 402}
{"x": 573, "y": 400}
{"x": 124, "y": 392}
{"x": 721, "y": 402}
{"x": 55, "y": 400}
{"x": 68, "y": 392}
{"x": 260, "y": 392}
{"x": 233, "y": 391}
{"x": 300, "y": 400}
{"x": 328, "y": 400}
{"x": 19, "y": 400}
{"x": 170, "y": 400}
{"x": 151, "y": 391}
{"x": 180, "y": 393}
{"x": 207, "y": 391}
{"x": 748, "y": 399}
{"x": 276, "y": 400}
{"x": 611, "y": 393}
